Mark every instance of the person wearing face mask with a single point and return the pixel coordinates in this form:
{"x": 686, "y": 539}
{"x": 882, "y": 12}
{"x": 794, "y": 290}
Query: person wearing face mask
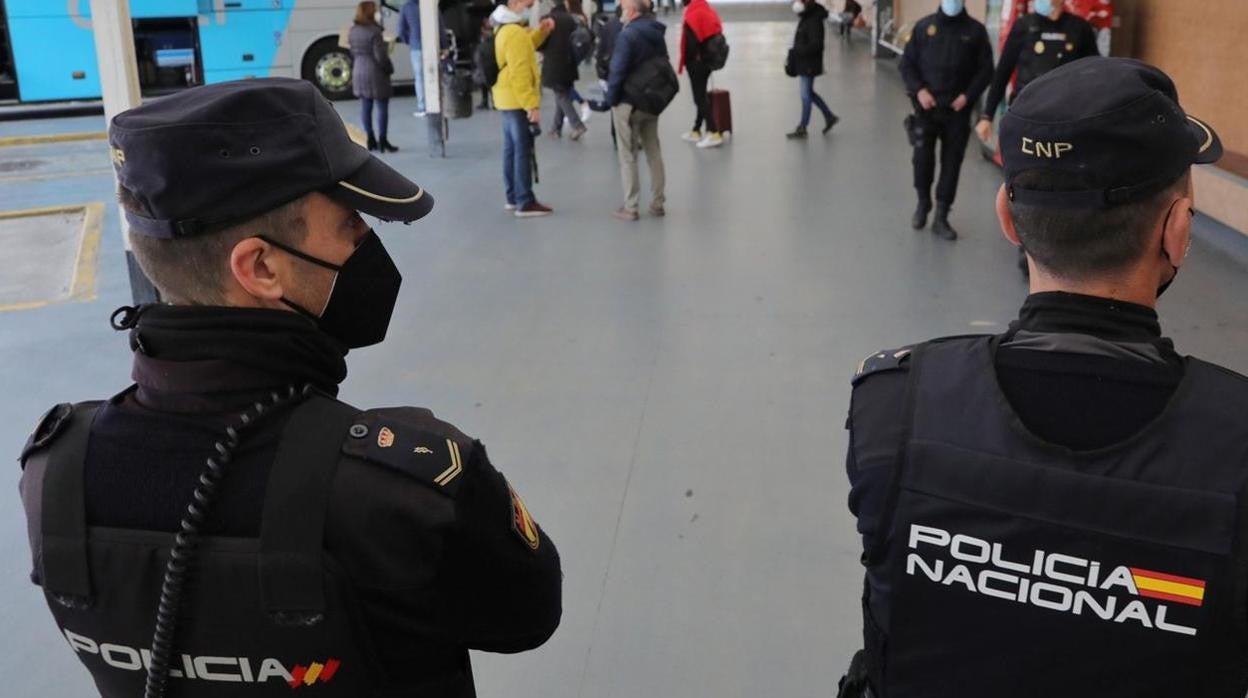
{"x": 518, "y": 98}
{"x": 1073, "y": 481}
{"x": 1037, "y": 43}
{"x": 805, "y": 62}
{"x": 356, "y": 552}
{"x": 946, "y": 66}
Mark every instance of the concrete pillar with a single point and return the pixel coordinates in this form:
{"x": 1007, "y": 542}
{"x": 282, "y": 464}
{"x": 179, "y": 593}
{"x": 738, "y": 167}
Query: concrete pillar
{"x": 430, "y": 59}
{"x": 119, "y": 82}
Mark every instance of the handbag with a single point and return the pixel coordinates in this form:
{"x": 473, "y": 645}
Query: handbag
{"x": 790, "y": 64}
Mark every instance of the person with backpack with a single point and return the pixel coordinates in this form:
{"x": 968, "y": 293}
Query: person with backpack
{"x": 559, "y": 71}
{"x": 640, "y": 85}
{"x": 518, "y": 98}
{"x": 482, "y": 59}
{"x": 703, "y": 49}
{"x": 805, "y": 62}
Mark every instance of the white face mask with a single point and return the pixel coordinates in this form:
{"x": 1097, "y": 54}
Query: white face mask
{"x": 799, "y": 7}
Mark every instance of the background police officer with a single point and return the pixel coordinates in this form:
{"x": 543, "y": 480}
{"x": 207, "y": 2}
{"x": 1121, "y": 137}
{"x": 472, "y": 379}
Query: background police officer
{"x": 946, "y": 66}
{"x": 1038, "y": 42}
{"x": 1057, "y": 510}
{"x": 362, "y": 551}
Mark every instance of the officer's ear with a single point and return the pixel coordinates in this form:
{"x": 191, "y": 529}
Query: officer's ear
{"x": 1003, "y": 215}
{"x": 1176, "y": 230}
{"x": 253, "y": 265}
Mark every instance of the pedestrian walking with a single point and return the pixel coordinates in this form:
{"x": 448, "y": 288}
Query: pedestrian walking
{"x": 559, "y": 71}
{"x": 805, "y": 62}
{"x": 370, "y": 75}
{"x": 409, "y": 34}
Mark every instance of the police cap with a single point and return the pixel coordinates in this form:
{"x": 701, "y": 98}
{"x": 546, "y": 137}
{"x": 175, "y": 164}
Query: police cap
{"x": 1115, "y": 124}
{"x": 214, "y": 156}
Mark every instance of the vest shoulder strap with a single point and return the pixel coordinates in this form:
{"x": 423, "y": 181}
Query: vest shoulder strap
{"x": 292, "y": 525}
{"x": 56, "y": 460}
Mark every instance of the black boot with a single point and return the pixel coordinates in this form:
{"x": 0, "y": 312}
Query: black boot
{"x": 940, "y": 224}
{"x": 919, "y": 220}
{"x": 372, "y": 142}
{"x": 387, "y": 147}
{"x": 799, "y": 132}
{"x": 830, "y": 122}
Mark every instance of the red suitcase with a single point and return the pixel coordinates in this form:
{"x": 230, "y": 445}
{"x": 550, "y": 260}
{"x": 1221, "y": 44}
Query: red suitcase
{"x": 721, "y": 110}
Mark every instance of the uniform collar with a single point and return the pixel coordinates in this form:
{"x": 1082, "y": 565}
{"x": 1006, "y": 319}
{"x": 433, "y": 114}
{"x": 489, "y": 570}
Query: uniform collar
{"x": 192, "y": 357}
{"x": 1105, "y": 318}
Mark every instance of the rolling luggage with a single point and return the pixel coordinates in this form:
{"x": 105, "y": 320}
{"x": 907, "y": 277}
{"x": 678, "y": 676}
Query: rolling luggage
{"x": 721, "y": 110}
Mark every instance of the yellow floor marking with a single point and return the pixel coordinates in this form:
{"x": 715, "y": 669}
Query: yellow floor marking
{"x": 56, "y": 175}
{"x": 82, "y": 286}
{"x": 40, "y": 139}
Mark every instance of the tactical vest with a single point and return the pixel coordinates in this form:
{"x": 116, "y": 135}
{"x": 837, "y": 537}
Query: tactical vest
{"x": 260, "y": 617}
{"x": 1018, "y": 567}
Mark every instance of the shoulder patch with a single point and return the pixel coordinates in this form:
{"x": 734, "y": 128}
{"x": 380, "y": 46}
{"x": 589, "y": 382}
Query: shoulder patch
{"x": 47, "y": 429}
{"x": 412, "y": 441}
{"x": 522, "y": 521}
{"x": 889, "y": 360}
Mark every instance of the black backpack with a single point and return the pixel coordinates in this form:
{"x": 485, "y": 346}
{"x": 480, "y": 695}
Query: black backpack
{"x": 715, "y": 52}
{"x": 652, "y": 85}
{"x": 582, "y": 43}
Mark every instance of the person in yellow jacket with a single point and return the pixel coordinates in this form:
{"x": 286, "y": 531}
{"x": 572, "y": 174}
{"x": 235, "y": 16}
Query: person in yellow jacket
{"x": 518, "y": 98}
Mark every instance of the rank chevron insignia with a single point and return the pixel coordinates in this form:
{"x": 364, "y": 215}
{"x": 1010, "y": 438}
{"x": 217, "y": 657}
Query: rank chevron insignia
{"x": 454, "y": 469}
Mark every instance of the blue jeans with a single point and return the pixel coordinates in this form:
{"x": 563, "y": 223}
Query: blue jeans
{"x": 517, "y": 157}
{"x": 809, "y": 96}
{"x": 418, "y": 72}
{"x": 383, "y": 116}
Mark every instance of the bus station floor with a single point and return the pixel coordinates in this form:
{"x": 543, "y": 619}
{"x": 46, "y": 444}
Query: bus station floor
{"x": 669, "y": 396}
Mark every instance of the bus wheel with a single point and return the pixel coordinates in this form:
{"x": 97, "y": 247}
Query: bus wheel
{"x": 328, "y": 66}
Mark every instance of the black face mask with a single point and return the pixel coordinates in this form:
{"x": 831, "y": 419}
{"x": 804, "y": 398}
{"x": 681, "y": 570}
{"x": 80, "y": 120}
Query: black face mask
{"x": 363, "y": 295}
{"x": 1166, "y": 285}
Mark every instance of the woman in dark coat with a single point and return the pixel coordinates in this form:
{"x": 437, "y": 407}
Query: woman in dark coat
{"x": 559, "y": 71}
{"x": 806, "y": 62}
{"x": 370, "y": 74}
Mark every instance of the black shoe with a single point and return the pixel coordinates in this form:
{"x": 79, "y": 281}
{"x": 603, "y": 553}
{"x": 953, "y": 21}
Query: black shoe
{"x": 940, "y": 225}
{"x": 919, "y": 220}
{"x": 387, "y": 147}
{"x": 832, "y": 121}
{"x": 799, "y": 132}
{"x": 372, "y": 143}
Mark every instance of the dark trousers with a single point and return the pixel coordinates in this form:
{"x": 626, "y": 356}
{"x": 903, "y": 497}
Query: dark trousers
{"x": 953, "y": 130}
{"x": 383, "y": 116}
{"x": 698, "y": 79}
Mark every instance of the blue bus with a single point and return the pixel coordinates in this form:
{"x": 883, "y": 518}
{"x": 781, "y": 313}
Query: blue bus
{"x": 47, "y": 48}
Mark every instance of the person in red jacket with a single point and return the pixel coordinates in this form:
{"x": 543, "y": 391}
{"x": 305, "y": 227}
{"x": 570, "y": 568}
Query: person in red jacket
{"x": 700, "y": 23}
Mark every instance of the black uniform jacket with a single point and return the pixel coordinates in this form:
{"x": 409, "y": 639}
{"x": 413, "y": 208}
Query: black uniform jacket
{"x": 808, "y": 41}
{"x": 950, "y": 56}
{"x": 1120, "y": 379}
{"x": 436, "y": 575}
{"x": 1036, "y": 45}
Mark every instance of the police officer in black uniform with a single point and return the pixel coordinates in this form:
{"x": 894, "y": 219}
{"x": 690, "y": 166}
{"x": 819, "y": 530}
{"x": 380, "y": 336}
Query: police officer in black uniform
{"x": 1059, "y": 510}
{"x": 226, "y": 525}
{"x": 946, "y": 66}
{"x": 1046, "y": 38}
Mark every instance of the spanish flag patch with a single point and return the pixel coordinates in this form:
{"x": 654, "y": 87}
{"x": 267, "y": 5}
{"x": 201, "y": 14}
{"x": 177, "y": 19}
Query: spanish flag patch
{"x": 522, "y": 521}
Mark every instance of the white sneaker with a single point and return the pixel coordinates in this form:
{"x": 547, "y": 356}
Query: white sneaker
{"x": 711, "y": 140}
{"x": 691, "y": 137}
{"x": 586, "y": 112}
{"x": 418, "y": 114}
{"x": 509, "y": 207}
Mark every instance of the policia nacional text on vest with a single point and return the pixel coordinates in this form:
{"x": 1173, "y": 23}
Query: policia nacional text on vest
{"x": 1018, "y": 567}
{"x": 271, "y": 614}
